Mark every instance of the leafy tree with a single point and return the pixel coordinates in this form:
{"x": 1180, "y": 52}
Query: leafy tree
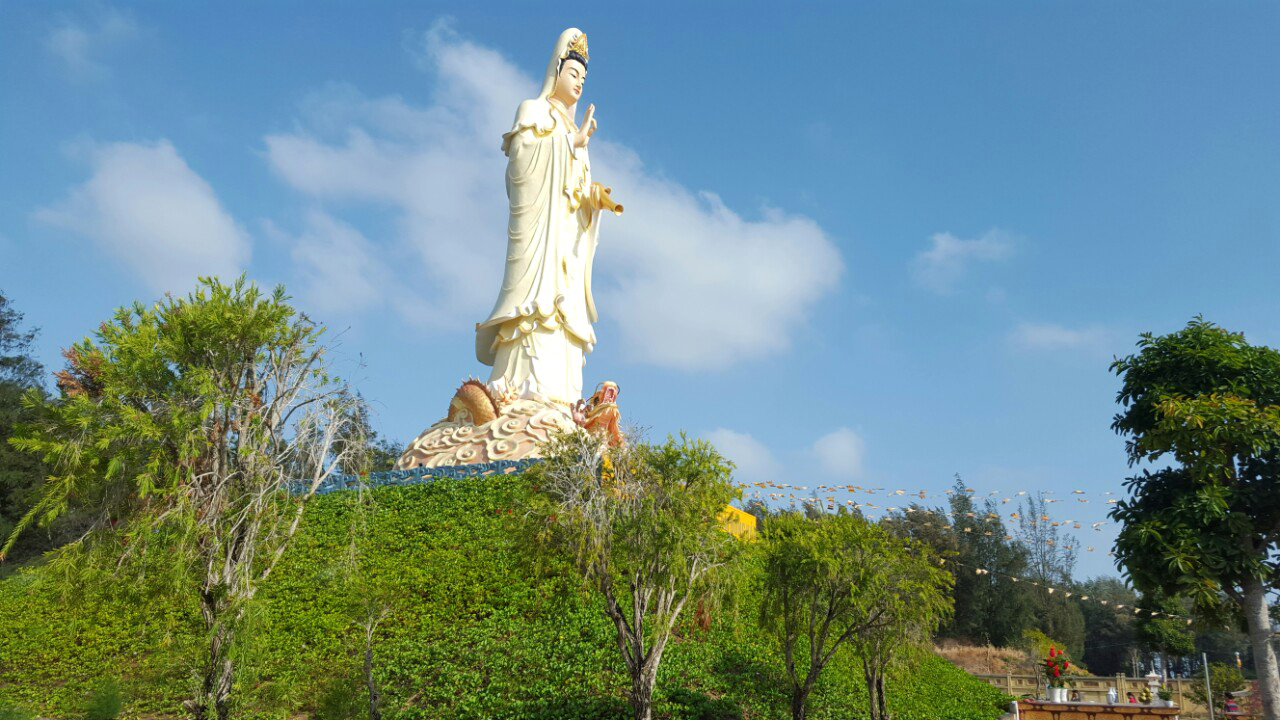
{"x": 184, "y": 425}
{"x": 1224, "y": 641}
{"x": 16, "y": 364}
{"x": 1051, "y": 559}
{"x": 1051, "y": 555}
{"x": 829, "y": 580}
{"x": 20, "y": 473}
{"x": 1163, "y": 635}
{"x": 756, "y": 508}
{"x": 1206, "y": 526}
{"x": 919, "y": 602}
{"x": 367, "y": 452}
{"x": 928, "y": 526}
{"x": 991, "y": 607}
{"x": 1108, "y": 633}
{"x": 639, "y": 524}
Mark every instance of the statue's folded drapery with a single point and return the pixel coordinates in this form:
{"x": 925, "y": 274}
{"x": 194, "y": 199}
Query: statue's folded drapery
{"x": 539, "y": 332}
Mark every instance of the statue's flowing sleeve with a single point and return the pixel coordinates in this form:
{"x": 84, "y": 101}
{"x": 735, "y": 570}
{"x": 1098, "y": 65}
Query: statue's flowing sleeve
{"x": 551, "y": 236}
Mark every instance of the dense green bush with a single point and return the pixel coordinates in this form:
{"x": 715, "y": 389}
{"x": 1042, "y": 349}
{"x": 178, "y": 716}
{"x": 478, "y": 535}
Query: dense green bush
{"x": 10, "y": 711}
{"x": 468, "y": 629}
{"x": 105, "y": 701}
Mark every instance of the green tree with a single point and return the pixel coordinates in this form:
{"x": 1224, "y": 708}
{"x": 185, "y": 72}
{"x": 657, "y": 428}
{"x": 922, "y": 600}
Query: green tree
{"x": 1160, "y": 634}
{"x": 756, "y": 508}
{"x": 929, "y": 526}
{"x": 185, "y": 425}
{"x": 991, "y": 607}
{"x": 917, "y": 604}
{"x": 366, "y": 451}
{"x": 1051, "y": 559}
{"x": 16, "y": 364}
{"x": 20, "y": 473}
{"x": 1206, "y": 526}
{"x": 1228, "y": 640}
{"x": 829, "y": 580}
{"x": 639, "y": 525}
{"x": 1108, "y": 633}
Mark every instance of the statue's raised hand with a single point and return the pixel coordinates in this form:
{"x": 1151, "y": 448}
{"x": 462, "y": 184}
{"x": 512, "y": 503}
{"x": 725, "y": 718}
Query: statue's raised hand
{"x": 587, "y": 129}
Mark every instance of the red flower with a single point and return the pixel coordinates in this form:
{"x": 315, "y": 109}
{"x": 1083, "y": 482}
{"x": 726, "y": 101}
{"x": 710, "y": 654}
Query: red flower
{"x": 1066, "y": 664}
{"x": 1052, "y": 652}
{"x": 1056, "y": 673}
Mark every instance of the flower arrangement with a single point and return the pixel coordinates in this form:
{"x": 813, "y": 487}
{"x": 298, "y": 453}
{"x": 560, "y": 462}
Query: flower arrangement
{"x": 1055, "y": 667}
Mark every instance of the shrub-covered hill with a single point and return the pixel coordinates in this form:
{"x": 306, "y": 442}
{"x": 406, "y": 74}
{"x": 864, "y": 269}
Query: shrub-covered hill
{"x": 467, "y": 629}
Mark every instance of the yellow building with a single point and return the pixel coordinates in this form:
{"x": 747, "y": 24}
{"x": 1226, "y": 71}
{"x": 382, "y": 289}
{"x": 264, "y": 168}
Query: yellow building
{"x": 738, "y": 523}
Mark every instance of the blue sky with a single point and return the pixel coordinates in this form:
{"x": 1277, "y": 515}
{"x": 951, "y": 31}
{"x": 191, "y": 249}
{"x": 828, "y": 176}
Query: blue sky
{"x": 871, "y": 245}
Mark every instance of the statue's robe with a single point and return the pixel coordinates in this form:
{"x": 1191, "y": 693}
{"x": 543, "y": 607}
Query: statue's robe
{"x": 539, "y": 332}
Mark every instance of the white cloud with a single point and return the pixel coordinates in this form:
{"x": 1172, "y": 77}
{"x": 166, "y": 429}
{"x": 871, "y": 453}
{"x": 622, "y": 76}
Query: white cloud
{"x": 78, "y": 46}
{"x": 754, "y": 462}
{"x": 690, "y": 283}
{"x": 338, "y": 268}
{"x": 840, "y": 453}
{"x": 147, "y": 208}
{"x": 1050, "y": 336}
{"x": 694, "y": 284}
{"x": 941, "y": 267}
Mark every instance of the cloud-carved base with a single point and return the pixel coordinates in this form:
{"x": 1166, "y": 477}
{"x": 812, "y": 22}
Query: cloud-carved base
{"x": 515, "y": 434}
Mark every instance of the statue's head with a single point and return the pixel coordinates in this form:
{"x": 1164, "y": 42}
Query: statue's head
{"x": 567, "y": 71}
{"x": 569, "y": 81}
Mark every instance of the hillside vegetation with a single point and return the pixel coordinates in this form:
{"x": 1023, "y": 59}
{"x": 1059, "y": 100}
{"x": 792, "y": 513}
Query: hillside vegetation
{"x": 462, "y": 626}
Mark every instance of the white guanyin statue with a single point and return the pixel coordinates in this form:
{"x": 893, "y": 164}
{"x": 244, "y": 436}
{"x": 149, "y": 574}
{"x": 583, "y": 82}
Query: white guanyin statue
{"x": 539, "y": 333}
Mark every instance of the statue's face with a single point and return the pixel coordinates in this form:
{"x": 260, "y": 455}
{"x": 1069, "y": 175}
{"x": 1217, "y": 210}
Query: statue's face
{"x": 569, "y": 82}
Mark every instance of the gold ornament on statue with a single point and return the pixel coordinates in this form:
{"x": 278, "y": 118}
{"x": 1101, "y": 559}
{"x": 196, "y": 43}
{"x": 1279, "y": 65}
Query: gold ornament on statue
{"x": 579, "y": 46}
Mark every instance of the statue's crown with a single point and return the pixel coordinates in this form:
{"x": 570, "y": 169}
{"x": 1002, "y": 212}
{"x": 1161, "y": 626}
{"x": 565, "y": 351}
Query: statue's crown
{"x": 578, "y": 47}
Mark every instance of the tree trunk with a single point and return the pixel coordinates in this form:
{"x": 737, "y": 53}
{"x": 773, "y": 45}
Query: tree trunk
{"x": 631, "y": 646}
{"x": 219, "y": 668}
{"x": 798, "y": 698}
{"x": 641, "y": 698}
{"x": 875, "y": 686}
{"x": 215, "y": 686}
{"x": 880, "y": 697}
{"x": 1264, "y": 655}
{"x": 222, "y": 692}
{"x": 800, "y": 695}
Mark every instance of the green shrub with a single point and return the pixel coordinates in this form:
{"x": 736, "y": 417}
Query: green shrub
{"x": 105, "y": 701}
{"x": 472, "y": 631}
{"x": 10, "y": 711}
{"x": 1223, "y": 678}
{"x": 342, "y": 699}
{"x": 697, "y": 706}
